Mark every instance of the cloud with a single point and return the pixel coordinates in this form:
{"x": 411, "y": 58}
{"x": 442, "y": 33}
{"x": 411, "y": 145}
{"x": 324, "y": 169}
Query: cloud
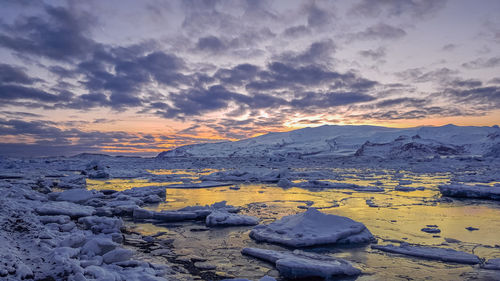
{"x": 59, "y": 34}
{"x": 211, "y": 44}
{"x": 482, "y": 63}
{"x": 317, "y": 53}
{"x": 296, "y": 31}
{"x": 397, "y": 8}
{"x": 373, "y": 54}
{"x": 15, "y": 74}
{"x": 380, "y": 31}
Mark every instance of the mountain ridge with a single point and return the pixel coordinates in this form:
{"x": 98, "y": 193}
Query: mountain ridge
{"x": 339, "y": 140}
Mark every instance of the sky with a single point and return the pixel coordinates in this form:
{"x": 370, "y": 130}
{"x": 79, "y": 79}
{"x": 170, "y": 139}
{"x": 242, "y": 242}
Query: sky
{"x": 140, "y": 77}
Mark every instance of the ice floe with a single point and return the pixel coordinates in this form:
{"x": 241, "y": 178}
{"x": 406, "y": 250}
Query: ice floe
{"x": 312, "y": 228}
{"x": 442, "y": 254}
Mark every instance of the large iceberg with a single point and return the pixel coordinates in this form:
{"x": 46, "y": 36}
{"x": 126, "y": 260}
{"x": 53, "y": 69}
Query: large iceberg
{"x": 312, "y": 228}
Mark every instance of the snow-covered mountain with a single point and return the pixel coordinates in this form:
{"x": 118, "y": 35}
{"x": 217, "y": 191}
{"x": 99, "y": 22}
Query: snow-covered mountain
{"x": 350, "y": 140}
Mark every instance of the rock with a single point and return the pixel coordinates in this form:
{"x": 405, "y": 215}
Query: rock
{"x": 312, "y": 228}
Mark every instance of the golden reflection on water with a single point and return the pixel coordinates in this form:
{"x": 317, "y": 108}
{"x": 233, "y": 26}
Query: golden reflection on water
{"x": 399, "y": 217}
{"x": 123, "y": 184}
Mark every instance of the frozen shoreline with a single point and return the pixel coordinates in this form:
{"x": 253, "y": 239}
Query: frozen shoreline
{"x": 48, "y": 211}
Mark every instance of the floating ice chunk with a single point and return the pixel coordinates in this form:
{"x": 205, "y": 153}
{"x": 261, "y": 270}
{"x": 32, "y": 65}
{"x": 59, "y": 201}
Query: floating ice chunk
{"x": 220, "y": 218}
{"x": 117, "y": 255}
{"x": 339, "y": 185}
{"x": 76, "y": 195}
{"x": 299, "y": 264}
{"x": 404, "y": 188}
{"x": 471, "y": 191}
{"x": 65, "y": 208}
{"x": 492, "y": 264}
{"x": 431, "y": 230}
{"x": 312, "y": 228}
{"x": 448, "y": 255}
{"x": 166, "y": 216}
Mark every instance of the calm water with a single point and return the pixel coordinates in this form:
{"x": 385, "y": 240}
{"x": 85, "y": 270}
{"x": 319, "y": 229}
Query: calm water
{"x": 399, "y": 217}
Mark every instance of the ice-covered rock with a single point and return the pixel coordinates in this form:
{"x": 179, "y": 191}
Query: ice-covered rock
{"x": 299, "y": 264}
{"x": 65, "y": 208}
{"x": 312, "y": 228}
{"x": 478, "y": 191}
{"x": 447, "y": 255}
{"x": 221, "y": 218}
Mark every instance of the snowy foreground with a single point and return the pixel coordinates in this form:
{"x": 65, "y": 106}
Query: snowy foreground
{"x": 363, "y": 217}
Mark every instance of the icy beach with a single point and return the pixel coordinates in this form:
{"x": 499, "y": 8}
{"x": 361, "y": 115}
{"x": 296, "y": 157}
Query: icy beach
{"x": 273, "y": 217}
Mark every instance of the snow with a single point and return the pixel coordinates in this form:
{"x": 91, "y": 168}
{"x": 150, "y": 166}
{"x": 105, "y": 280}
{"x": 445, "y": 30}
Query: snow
{"x": 312, "y": 228}
{"x": 221, "y": 218}
{"x": 65, "y": 208}
{"x": 447, "y": 255}
{"x": 347, "y": 140}
{"x": 471, "y": 191}
{"x": 299, "y": 264}
{"x": 76, "y": 195}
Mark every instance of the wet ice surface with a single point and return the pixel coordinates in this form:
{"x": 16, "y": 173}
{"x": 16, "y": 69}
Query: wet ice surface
{"x": 392, "y": 216}
{"x": 395, "y": 201}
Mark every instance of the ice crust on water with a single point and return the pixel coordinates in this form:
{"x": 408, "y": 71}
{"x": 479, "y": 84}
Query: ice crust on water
{"x": 447, "y": 255}
{"x": 299, "y": 264}
{"x": 478, "y": 191}
{"x": 312, "y": 228}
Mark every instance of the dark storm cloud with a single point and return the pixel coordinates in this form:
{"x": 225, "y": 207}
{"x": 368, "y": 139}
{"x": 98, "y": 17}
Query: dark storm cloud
{"x": 390, "y": 8}
{"x": 380, "y": 31}
{"x": 58, "y": 34}
{"x": 15, "y": 74}
{"x": 482, "y": 63}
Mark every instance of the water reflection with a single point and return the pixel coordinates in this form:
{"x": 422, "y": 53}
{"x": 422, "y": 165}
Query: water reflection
{"x": 399, "y": 217}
